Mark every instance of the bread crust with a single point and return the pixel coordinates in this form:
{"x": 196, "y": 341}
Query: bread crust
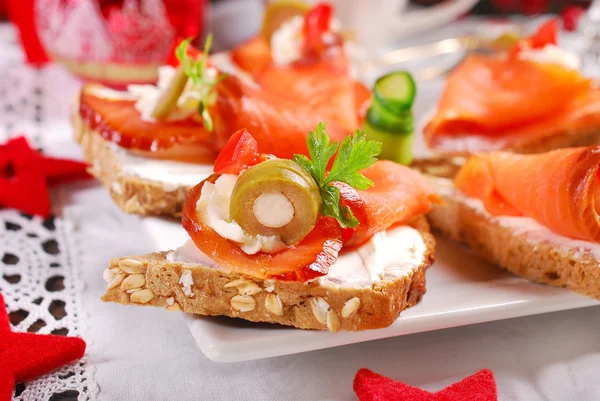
{"x": 131, "y": 194}
{"x": 214, "y": 291}
{"x": 537, "y": 261}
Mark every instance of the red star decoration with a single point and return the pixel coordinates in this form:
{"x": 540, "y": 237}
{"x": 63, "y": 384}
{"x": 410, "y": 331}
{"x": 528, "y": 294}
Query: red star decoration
{"x": 370, "y": 386}
{"x": 25, "y": 356}
{"x": 26, "y": 173}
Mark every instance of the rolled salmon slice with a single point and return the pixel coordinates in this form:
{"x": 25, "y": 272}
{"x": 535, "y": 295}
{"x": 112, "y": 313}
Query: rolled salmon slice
{"x": 558, "y": 189}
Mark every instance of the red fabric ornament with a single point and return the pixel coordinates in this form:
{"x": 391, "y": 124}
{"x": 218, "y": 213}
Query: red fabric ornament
{"x": 25, "y": 356}
{"x": 22, "y": 14}
{"x": 570, "y": 17}
{"x": 370, "y": 386}
{"x": 25, "y": 175}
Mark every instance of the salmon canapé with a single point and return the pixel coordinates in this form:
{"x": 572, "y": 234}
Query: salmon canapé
{"x": 514, "y": 102}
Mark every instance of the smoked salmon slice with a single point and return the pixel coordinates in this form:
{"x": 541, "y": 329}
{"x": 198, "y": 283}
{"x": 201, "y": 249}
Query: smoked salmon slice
{"x": 253, "y": 56}
{"x": 279, "y": 125}
{"x": 501, "y": 103}
{"x": 325, "y": 84}
{"x": 506, "y": 102}
{"x": 309, "y": 259}
{"x": 398, "y": 194}
{"x": 558, "y": 189}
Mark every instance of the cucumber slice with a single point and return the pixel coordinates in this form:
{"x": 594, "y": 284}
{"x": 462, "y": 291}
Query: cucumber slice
{"x": 398, "y": 148}
{"x": 396, "y": 91}
{"x": 381, "y": 117}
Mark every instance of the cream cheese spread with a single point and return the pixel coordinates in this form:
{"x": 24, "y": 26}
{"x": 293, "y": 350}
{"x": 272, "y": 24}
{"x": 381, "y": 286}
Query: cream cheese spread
{"x": 148, "y": 96}
{"x": 552, "y": 54}
{"x": 171, "y": 174}
{"x": 387, "y": 256}
{"x": 534, "y": 231}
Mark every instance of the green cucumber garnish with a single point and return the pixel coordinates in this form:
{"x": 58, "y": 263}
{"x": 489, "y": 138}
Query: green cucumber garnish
{"x": 390, "y": 118}
{"x": 383, "y": 118}
{"x": 396, "y": 147}
{"x": 396, "y": 91}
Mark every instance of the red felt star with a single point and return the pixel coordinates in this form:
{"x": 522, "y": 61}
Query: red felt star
{"x": 370, "y": 386}
{"x": 25, "y": 356}
{"x": 26, "y": 173}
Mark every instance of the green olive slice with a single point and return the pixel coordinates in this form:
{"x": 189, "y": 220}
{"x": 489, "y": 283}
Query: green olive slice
{"x": 276, "y": 197}
{"x": 168, "y": 99}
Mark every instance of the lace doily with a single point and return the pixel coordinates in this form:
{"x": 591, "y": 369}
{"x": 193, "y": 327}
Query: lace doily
{"x": 40, "y": 287}
{"x": 39, "y": 261}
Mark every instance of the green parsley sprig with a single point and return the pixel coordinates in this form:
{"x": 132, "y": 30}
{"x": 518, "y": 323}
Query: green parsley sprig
{"x": 196, "y": 70}
{"x": 355, "y": 153}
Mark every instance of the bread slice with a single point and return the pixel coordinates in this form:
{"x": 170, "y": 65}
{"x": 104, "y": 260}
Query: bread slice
{"x": 319, "y": 304}
{"x": 132, "y": 193}
{"x": 556, "y": 138}
{"x": 557, "y": 262}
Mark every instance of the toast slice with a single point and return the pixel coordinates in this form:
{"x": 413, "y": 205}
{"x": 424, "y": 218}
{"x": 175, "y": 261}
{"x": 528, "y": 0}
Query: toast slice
{"x": 526, "y": 249}
{"x": 118, "y": 171}
{"x": 561, "y": 137}
{"x": 322, "y": 304}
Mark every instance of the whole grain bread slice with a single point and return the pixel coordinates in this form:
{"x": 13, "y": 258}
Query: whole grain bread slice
{"x": 154, "y": 280}
{"x": 535, "y": 260}
{"x": 559, "y": 137}
{"x": 132, "y": 194}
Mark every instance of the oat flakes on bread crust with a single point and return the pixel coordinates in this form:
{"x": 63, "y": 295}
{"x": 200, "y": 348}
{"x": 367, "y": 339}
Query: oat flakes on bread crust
{"x": 537, "y": 261}
{"x": 132, "y": 194}
{"x": 298, "y": 304}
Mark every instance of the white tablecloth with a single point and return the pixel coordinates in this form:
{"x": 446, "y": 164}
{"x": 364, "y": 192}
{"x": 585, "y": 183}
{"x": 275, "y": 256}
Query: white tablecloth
{"x": 148, "y": 354}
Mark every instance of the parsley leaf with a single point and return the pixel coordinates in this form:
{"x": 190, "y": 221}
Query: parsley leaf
{"x": 197, "y": 71}
{"x": 355, "y": 153}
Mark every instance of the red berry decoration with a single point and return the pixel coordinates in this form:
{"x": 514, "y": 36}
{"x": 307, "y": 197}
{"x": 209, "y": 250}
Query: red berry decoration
{"x": 532, "y": 7}
{"x": 570, "y": 17}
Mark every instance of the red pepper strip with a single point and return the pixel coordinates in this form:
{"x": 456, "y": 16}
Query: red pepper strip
{"x": 547, "y": 34}
{"x": 239, "y": 153}
{"x": 316, "y": 23}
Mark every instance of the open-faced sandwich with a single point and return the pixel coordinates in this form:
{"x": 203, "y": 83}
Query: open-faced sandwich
{"x": 332, "y": 241}
{"x": 532, "y": 99}
{"x": 534, "y": 215}
{"x": 151, "y": 144}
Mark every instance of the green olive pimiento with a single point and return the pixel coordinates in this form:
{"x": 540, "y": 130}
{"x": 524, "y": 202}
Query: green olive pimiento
{"x": 276, "y": 197}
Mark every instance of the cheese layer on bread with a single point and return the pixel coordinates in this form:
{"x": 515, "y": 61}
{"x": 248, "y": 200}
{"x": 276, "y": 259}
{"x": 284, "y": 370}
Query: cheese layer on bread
{"x": 388, "y": 255}
{"x": 534, "y": 231}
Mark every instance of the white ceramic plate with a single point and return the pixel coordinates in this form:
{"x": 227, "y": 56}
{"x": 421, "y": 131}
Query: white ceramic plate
{"x": 462, "y": 289}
